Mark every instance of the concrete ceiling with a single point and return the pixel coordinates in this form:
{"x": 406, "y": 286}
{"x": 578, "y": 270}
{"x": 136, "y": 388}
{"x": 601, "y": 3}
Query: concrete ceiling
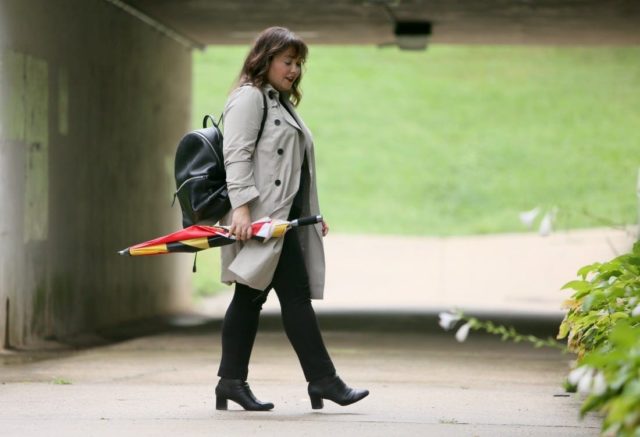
{"x": 546, "y": 22}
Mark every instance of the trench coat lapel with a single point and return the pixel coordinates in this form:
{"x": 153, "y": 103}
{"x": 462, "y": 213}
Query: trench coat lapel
{"x": 292, "y": 120}
{"x": 288, "y": 109}
{"x": 297, "y": 122}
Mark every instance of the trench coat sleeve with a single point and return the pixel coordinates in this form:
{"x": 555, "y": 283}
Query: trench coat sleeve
{"x": 242, "y": 117}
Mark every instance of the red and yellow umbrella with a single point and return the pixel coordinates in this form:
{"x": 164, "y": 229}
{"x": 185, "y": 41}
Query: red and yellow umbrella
{"x": 199, "y": 237}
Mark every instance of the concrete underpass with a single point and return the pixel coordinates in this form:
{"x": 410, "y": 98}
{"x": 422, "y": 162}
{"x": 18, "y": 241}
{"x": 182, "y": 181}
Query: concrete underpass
{"x": 94, "y": 96}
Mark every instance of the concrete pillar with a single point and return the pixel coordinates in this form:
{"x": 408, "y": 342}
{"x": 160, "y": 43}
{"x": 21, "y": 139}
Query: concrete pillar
{"x": 93, "y": 102}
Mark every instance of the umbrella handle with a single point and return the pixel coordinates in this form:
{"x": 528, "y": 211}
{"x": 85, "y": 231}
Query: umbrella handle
{"x": 304, "y": 221}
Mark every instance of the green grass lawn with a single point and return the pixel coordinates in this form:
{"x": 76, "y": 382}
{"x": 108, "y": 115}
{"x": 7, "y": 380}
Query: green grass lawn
{"x": 459, "y": 139}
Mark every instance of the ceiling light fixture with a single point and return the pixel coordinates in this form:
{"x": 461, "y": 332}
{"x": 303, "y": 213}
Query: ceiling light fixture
{"x": 409, "y": 34}
{"x": 412, "y": 35}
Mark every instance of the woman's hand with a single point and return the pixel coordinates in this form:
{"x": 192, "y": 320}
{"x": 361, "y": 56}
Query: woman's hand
{"x": 325, "y": 228}
{"x": 241, "y": 223}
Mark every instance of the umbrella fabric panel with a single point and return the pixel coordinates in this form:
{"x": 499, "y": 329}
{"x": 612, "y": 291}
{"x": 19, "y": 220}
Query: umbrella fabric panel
{"x": 198, "y": 244}
{"x": 191, "y": 239}
{"x": 200, "y": 237}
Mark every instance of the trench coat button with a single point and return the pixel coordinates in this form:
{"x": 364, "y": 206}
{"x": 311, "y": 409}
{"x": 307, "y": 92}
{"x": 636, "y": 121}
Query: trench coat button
{"x": 278, "y": 182}
{"x": 277, "y": 122}
{"x": 280, "y": 151}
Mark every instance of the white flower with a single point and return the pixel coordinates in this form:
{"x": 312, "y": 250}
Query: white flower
{"x": 588, "y": 380}
{"x": 636, "y": 311}
{"x": 448, "y": 320}
{"x": 463, "y": 332}
{"x": 585, "y": 383}
{"x": 546, "y": 225}
{"x": 576, "y": 374}
{"x": 527, "y": 217}
{"x": 599, "y": 384}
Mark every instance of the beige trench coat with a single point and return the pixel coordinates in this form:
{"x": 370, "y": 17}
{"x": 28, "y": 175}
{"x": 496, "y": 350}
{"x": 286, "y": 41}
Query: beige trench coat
{"x": 268, "y": 178}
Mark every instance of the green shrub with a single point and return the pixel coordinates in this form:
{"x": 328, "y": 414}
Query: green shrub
{"x": 603, "y": 327}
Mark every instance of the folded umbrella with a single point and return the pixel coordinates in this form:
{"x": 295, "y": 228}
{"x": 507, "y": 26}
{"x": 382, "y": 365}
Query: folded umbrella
{"x": 200, "y": 237}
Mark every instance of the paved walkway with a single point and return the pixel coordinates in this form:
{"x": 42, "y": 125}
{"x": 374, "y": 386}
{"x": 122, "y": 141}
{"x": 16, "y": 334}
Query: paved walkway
{"x": 421, "y": 385}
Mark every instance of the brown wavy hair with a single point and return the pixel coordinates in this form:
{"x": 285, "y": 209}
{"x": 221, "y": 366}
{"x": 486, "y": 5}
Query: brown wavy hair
{"x": 270, "y": 43}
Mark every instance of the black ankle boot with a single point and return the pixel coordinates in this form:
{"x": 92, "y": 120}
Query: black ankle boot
{"x": 334, "y": 389}
{"x": 238, "y": 391}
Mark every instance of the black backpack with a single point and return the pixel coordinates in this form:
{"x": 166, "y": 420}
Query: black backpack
{"x": 201, "y": 186}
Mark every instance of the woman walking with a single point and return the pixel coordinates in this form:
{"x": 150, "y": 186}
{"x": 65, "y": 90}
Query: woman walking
{"x": 274, "y": 177}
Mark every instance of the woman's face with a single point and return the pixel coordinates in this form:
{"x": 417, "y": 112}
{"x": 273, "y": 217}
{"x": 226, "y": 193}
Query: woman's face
{"x": 285, "y": 68}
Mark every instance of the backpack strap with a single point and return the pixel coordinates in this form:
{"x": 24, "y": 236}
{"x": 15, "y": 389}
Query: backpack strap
{"x": 264, "y": 118}
{"x": 213, "y": 122}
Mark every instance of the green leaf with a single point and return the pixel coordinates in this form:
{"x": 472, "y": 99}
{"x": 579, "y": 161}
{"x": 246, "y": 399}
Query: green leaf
{"x": 590, "y": 404}
{"x": 563, "y": 331}
{"x": 634, "y": 260}
{"x": 584, "y": 271}
{"x": 623, "y": 335}
{"x": 619, "y": 315}
{"x": 577, "y": 285}
{"x": 590, "y": 301}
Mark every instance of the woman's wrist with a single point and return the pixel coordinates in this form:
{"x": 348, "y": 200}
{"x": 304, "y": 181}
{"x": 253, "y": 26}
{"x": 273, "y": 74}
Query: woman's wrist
{"x": 242, "y": 209}
{"x": 241, "y": 222}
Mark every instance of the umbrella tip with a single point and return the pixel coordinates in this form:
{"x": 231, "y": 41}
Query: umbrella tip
{"x": 124, "y": 251}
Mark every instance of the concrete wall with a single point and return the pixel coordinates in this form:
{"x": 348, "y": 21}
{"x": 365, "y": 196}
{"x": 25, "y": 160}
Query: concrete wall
{"x": 93, "y": 102}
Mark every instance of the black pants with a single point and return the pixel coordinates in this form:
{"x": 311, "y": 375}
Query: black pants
{"x": 241, "y": 320}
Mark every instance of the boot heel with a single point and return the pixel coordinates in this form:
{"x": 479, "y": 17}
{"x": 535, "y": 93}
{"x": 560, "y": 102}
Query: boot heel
{"x": 316, "y": 402}
{"x": 221, "y": 403}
